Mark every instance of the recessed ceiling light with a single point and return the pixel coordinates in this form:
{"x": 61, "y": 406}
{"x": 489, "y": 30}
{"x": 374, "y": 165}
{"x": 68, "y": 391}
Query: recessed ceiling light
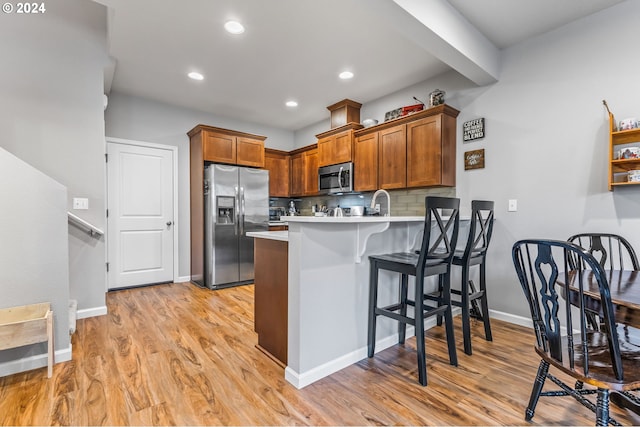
{"x": 291, "y": 104}
{"x": 195, "y": 76}
{"x": 345, "y": 75}
{"x": 234, "y": 27}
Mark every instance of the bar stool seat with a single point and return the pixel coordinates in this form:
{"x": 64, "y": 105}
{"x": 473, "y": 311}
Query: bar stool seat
{"x": 434, "y": 259}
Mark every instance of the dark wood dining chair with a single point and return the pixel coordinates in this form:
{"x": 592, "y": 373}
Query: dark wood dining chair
{"x": 613, "y": 252}
{"x": 564, "y": 339}
{"x": 439, "y": 240}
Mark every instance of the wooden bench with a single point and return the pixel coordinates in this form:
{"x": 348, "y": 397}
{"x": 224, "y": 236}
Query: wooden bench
{"x": 25, "y": 325}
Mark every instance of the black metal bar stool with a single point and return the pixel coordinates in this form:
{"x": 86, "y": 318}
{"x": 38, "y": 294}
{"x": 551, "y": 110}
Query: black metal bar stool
{"x": 475, "y": 253}
{"x": 434, "y": 258}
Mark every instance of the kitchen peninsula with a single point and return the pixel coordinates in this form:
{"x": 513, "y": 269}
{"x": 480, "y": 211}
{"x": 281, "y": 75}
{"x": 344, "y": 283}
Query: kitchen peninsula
{"x": 328, "y": 288}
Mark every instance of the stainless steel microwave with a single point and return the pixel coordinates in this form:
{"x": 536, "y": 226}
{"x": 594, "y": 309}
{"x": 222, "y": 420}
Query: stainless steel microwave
{"x": 335, "y": 178}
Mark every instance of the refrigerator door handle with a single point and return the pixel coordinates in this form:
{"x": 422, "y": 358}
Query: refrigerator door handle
{"x": 241, "y": 211}
{"x": 237, "y": 224}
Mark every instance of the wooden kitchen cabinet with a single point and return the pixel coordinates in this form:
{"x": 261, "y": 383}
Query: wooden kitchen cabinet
{"x": 277, "y": 163}
{"x": 228, "y": 146}
{"x": 296, "y": 183}
{"x": 381, "y": 159}
{"x": 304, "y": 171}
{"x": 250, "y": 152}
{"x": 392, "y": 158}
{"x": 365, "y": 162}
{"x": 418, "y": 150}
{"x": 431, "y": 151}
{"x": 271, "y": 285}
{"x": 336, "y": 145}
{"x": 310, "y": 166}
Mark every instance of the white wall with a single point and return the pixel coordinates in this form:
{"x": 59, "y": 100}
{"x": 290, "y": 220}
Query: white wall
{"x": 546, "y": 141}
{"x": 33, "y": 256}
{"x": 138, "y": 119}
{"x": 51, "y": 116}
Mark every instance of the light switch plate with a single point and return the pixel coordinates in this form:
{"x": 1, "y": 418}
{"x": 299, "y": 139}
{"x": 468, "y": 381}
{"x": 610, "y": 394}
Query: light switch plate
{"x": 513, "y": 205}
{"x": 80, "y": 203}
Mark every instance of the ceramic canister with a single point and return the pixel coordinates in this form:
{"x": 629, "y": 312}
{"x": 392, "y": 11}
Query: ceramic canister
{"x": 436, "y": 98}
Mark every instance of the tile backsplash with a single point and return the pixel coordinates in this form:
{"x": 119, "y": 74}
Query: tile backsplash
{"x": 407, "y": 202}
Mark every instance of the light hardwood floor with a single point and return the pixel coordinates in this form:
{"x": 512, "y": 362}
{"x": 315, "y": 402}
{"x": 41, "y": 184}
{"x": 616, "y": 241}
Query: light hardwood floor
{"x": 180, "y": 355}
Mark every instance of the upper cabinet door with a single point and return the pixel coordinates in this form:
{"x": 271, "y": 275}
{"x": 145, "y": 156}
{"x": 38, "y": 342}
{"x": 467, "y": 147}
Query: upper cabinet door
{"x": 431, "y": 151}
{"x": 296, "y": 183}
{"x": 250, "y": 152}
{"x": 424, "y": 153}
{"x": 278, "y": 166}
{"x": 218, "y": 147}
{"x": 335, "y": 149}
{"x": 392, "y": 157}
{"x": 310, "y": 165}
{"x": 365, "y": 162}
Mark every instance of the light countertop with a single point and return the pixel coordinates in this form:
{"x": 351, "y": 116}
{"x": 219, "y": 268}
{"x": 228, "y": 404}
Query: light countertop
{"x": 282, "y": 236}
{"x": 354, "y": 219}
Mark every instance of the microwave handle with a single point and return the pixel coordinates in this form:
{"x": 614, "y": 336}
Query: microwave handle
{"x": 340, "y": 178}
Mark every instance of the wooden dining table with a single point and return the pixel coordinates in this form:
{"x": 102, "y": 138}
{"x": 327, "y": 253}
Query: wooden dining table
{"x": 624, "y": 286}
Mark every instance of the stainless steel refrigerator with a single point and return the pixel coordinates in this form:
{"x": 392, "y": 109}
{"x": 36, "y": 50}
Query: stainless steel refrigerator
{"x": 236, "y": 200}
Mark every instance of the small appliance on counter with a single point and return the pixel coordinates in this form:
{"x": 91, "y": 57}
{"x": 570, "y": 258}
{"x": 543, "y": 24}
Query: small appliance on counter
{"x": 356, "y": 211}
{"x": 292, "y": 208}
{"x": 275, "y": 212}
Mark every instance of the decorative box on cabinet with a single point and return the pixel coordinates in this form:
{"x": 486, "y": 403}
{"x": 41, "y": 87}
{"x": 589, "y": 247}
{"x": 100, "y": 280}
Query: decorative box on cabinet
{"x": 619, "y": 168}
{"x": 277, "y": 163}
{"x": 228, "y": 146}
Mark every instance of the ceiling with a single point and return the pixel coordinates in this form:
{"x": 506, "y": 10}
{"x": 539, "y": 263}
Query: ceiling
{"x": 295, "y": 49}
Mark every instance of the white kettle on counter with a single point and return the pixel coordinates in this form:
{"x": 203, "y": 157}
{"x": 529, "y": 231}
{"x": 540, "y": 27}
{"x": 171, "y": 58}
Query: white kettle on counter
{"x": 337, "y": 211}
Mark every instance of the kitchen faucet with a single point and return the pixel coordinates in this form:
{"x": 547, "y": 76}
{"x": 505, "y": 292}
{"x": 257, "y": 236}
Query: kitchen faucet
{"x": 375, "y": 196}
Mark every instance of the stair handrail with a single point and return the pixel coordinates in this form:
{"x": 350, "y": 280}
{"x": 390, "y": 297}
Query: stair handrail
{"x": 84, "y": 225}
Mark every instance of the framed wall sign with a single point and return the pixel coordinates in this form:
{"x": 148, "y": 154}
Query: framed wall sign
{"x": 474, "y": 159}
{"x": 473, "y": 129}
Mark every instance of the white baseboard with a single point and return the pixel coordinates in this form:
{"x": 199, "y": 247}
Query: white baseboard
{"x": 511, "y": 318}
{"x": 300, "y": 380}
{"x": 92, "y": 312}
{"x": 33, "y": 362}
{"x": 182, "y": 279}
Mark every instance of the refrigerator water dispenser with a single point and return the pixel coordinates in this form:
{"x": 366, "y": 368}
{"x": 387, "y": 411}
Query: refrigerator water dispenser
{"x": 226, "y": 210}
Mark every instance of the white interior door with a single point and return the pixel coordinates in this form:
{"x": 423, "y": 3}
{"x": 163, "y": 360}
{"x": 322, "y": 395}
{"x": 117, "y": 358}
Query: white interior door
{"x": 140, "y": 215}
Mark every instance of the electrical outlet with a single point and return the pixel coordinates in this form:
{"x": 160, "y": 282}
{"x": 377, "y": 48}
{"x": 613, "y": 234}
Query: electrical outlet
{"x": 377, "y": 208}
{"x": 80, "y": 203}
{"x": 513, "y": 205}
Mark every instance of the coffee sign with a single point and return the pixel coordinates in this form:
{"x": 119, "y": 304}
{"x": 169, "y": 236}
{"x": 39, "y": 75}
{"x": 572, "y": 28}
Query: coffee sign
{"x": 473, "y": 129}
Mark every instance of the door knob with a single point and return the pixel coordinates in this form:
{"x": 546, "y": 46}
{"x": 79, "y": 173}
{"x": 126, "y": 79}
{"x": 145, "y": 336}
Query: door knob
{"x": 169, "y": 223}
